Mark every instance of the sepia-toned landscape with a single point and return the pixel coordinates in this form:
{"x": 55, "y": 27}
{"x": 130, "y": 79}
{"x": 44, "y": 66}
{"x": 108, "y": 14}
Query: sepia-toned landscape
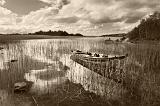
{"x": 81, "y": 53}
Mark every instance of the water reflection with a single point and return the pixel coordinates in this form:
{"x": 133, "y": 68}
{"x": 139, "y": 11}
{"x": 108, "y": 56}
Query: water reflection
{"x": 94, "y": 82}
{"x": 4, "y": 98}
{"x": 45, "y": 81}
{"x": 47, "y": 64}
{"x": 78, "y": 74}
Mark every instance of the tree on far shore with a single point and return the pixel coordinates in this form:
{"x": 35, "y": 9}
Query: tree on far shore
{"x": 54, "y": 33}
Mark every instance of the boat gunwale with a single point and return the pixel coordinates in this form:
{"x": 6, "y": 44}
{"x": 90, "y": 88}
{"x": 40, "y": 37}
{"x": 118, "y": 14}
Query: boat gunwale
{"x": 98, "y": 58}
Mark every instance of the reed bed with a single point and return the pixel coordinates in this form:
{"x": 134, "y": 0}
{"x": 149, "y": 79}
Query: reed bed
{"x": 143, "y": 75}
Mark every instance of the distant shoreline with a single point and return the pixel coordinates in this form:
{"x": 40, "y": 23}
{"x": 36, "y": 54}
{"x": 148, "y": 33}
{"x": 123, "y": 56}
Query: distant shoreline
{"x": 12, "y": 38}
{"x": 7, "y": 38}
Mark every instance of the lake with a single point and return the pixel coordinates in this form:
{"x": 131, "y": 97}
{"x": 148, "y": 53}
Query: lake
{"x": 58, "y": 80}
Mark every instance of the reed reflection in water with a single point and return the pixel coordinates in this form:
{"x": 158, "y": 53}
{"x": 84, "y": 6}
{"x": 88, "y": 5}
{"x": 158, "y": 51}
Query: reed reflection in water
{"x": 47, "y": 64}
{"x": 57, "y": 58}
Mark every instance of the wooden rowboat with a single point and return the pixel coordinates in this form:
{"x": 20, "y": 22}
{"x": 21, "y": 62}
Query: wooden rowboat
{"x": 96, "y": 57}
{"x": 110, "y": 66}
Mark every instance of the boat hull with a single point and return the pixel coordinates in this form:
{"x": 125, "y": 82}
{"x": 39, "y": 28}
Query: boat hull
{"x": 109, "y": 68}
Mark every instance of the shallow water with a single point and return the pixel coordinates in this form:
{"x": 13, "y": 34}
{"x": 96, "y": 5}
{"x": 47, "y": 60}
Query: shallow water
{"x": 47, "y": 64}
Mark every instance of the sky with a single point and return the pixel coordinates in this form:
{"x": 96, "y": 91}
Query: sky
{"x": 88, "y": 17}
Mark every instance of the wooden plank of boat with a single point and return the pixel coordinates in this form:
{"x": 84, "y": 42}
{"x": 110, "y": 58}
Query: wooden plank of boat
{"x": 104, "y": 58}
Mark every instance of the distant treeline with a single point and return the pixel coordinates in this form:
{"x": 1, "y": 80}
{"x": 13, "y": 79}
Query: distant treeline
{"x": 148, "y": 29}
{"x": 54, "y": 33}
{"x": 51, "y": 33}
{"x": 115, "y": 35}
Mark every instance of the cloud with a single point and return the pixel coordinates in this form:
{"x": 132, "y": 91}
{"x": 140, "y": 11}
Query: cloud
{"x": 133, "y": 17}
{"x": 58, "y": 3}
{"x": 137, "y": 4}
{"x": 2, "y": 2}
{"x": 94, "y": 11}
{"x": 48, "y": 1}
{"x": 39, "y": 16}
{"x": 7, "y": 17}
{"x": 110, "y": 12}
{"x": 81, "y": 16}
{"x": 72, "y": 19}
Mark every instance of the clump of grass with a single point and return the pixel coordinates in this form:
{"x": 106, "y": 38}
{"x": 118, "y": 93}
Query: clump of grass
{"x": 142, "y": 75}
{"x": 70, "y": 94}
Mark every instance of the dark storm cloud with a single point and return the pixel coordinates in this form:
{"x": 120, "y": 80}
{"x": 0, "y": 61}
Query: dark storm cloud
{"x": 137, "y": 4}
{"x": 133, "y": 5}
{"x": 137, "y": 9}
{"x": 105, "y": 20}
{"x": 61, "y": 3}
{"x": 134, "y": 17}
{"x": 24, "y": 6}
{"x": 100, "y": 1}
{"x": 134, "y": 10}
{"x": 65, "y": 2}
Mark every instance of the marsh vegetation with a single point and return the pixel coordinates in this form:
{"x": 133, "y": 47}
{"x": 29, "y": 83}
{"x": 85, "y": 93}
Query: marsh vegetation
{"x": 58, "y": 80}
